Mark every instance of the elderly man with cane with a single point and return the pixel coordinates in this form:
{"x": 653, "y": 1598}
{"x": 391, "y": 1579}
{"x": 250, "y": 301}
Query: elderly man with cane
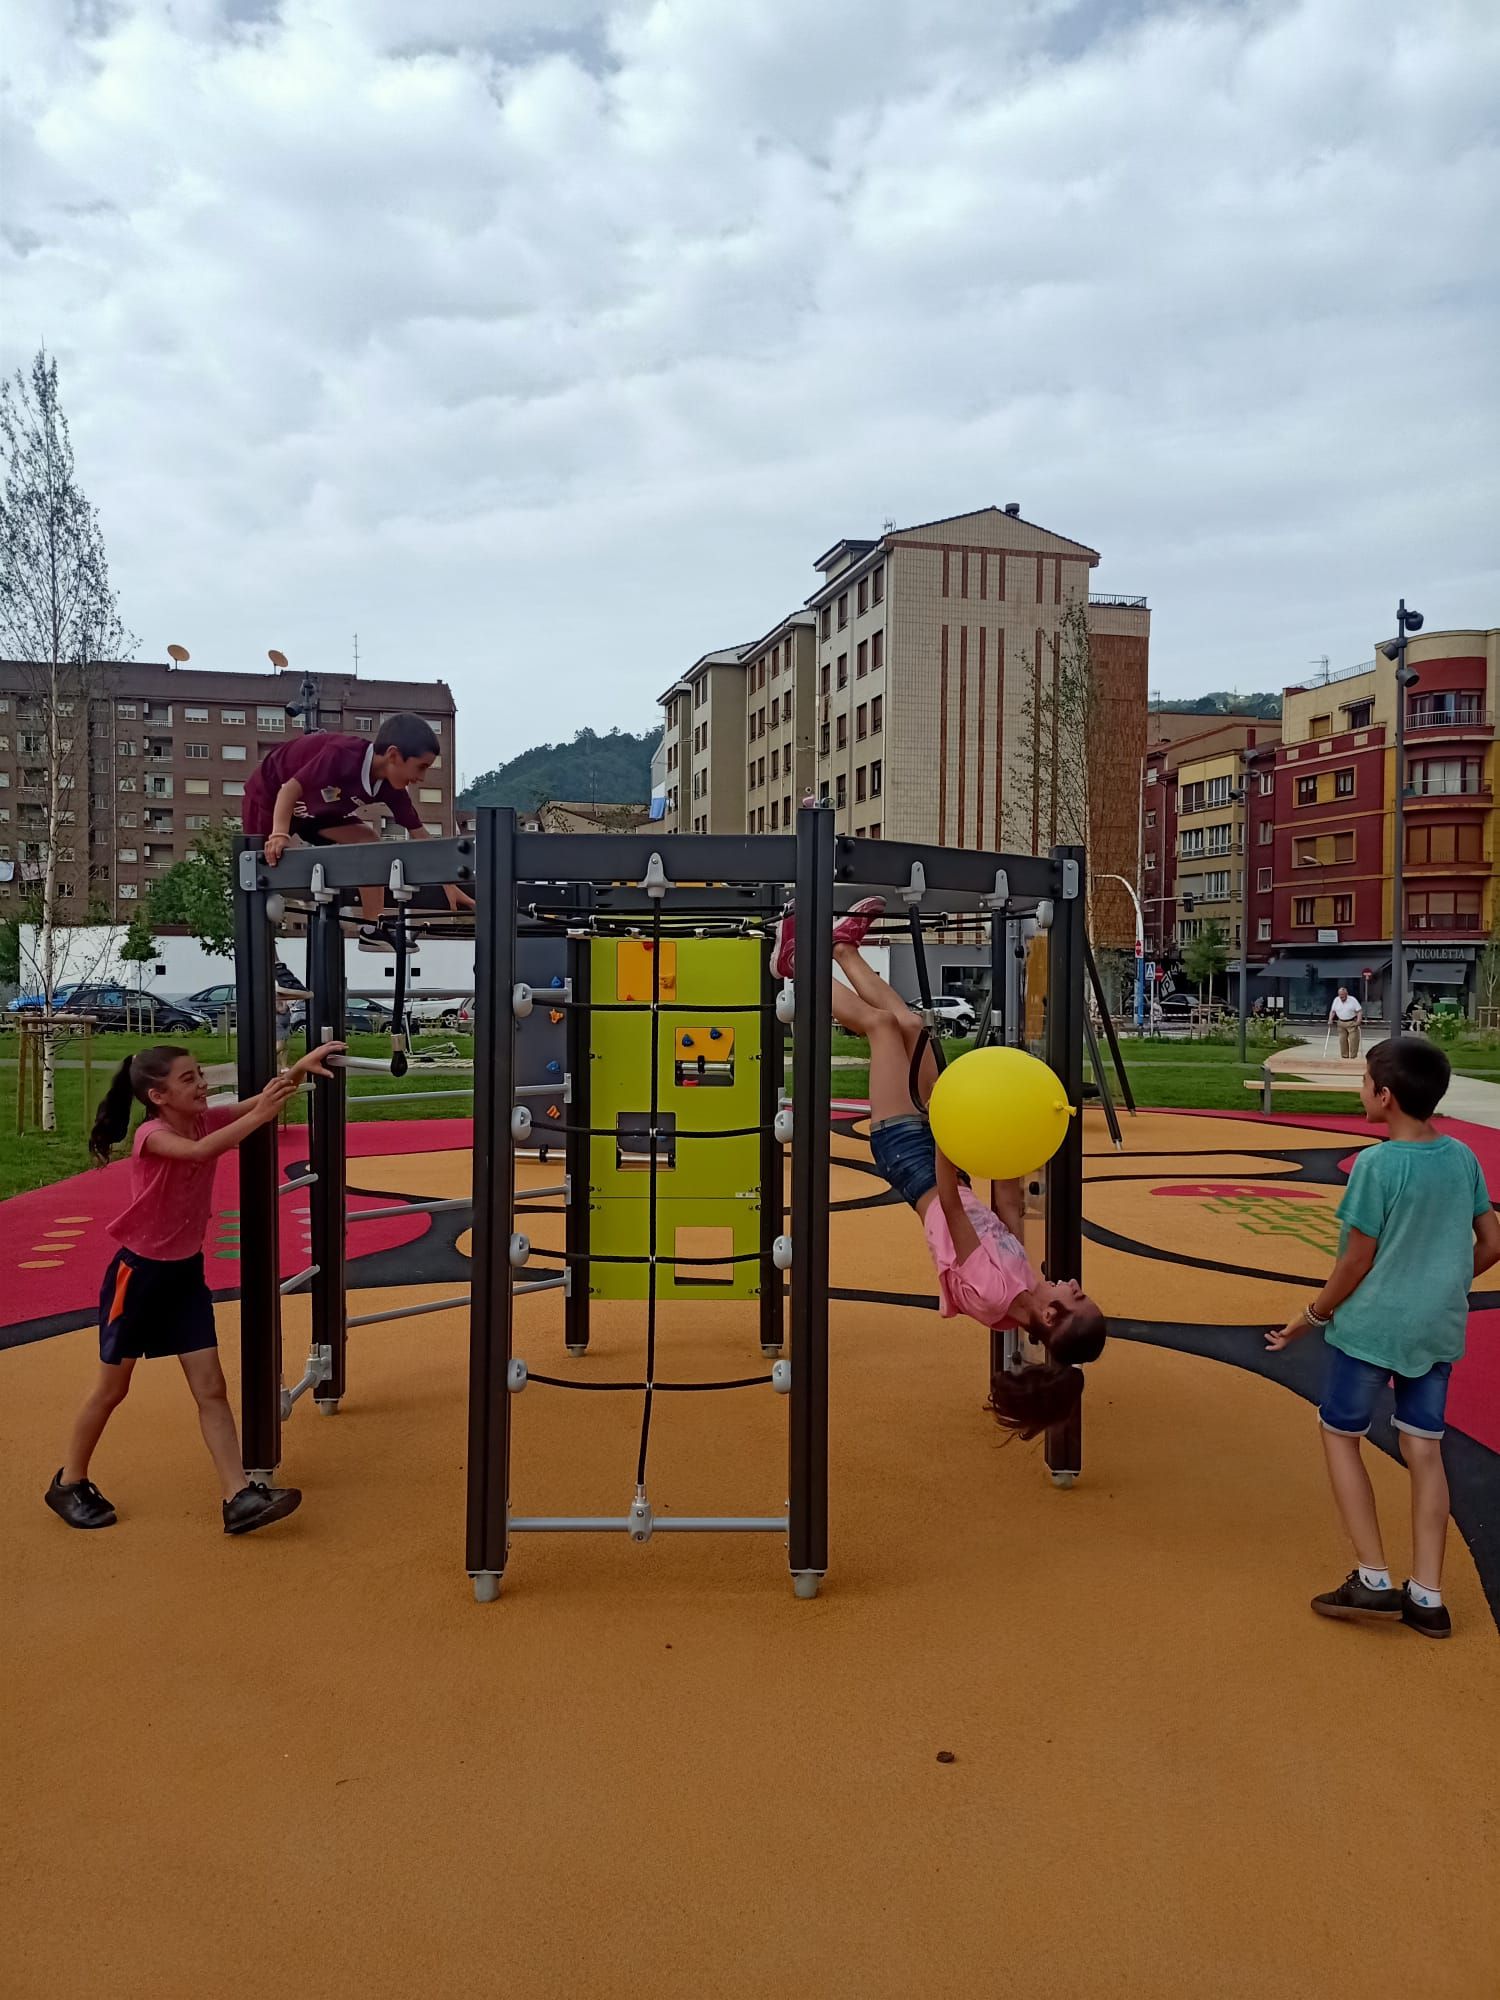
{"x": 1348, "y": 1013}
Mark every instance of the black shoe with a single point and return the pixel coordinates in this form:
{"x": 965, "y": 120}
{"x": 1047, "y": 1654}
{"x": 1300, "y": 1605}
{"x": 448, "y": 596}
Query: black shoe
{"x": 375, "y": 937}
{"x": 81, "y": 1505}
{"x": 1431, "y": 1620}
{"x": 1355, "y": 1599}
{"x": 257, "y": 1506}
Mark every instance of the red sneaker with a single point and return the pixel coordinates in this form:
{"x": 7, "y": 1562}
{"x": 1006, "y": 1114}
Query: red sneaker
{"x": 784, "y": 951}
{"x": 852, "y": 926}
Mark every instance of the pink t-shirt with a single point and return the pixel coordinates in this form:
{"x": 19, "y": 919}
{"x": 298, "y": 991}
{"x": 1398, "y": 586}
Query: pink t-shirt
{"x": 171, "y": 1200}
{"x": 994, "y": 1274}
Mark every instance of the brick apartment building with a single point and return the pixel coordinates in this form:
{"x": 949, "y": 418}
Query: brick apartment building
{"x": 902, "y": 691}
{"x": 154, "y": 753}
{"x": 1196, "y": 833}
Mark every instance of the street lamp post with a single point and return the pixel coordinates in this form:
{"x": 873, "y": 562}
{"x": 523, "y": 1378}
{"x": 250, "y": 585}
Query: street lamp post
{"x": 1140, "y": 945}
{"x": 1407, "y": 622}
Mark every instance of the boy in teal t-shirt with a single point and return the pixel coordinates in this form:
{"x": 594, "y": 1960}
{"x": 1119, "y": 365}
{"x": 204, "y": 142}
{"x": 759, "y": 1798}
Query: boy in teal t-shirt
{"x": 1418, "y": 1229}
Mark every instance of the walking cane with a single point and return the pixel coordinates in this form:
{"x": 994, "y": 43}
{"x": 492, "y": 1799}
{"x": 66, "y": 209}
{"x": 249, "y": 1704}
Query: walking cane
{"x": 1327, "y": 1038}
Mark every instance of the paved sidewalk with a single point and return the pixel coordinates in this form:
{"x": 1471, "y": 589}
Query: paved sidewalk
{"x": 1468, "y": 1096}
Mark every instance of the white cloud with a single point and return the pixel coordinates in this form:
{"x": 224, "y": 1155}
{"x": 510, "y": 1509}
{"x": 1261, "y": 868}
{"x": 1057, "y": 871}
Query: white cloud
{"x": 545, "y": 343}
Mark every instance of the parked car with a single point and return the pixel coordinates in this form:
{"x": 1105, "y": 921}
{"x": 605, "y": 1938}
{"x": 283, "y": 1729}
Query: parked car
{"x": 214, "y": 1002}
{"x": 122, "y": 1007}
{"x": 445, "y": 1013}
{"x": 26, "y": 1003}
{"x": 954, "y": 1014}
{"x": 361, "y": 1016}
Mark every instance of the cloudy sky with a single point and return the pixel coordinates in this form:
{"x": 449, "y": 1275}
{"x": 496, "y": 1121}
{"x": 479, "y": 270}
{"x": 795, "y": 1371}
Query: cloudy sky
{"x": 544, "y": 343}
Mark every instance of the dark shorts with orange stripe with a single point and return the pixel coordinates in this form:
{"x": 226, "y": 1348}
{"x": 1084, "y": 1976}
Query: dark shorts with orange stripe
{"x": 148, "y": 1308}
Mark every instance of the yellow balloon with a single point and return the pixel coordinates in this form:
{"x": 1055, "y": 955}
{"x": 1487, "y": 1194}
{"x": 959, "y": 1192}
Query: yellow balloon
{"x": 998, "y": 1113}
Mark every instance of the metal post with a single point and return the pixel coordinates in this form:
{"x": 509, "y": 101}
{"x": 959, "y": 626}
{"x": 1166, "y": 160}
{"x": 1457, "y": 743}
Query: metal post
{"x": 1066, "y": 943}
{"x": 1002, "y": 1029}
{"x": 578, "y": 1044}
{"x": 812, "y": 1055}
{"x": 490, "y": 1309}
{"x": 772, "y": 1162}
{"x": 1398, "y": 851}
{"x": 327, "y": 1124}
{"x": 260, "y": 1231}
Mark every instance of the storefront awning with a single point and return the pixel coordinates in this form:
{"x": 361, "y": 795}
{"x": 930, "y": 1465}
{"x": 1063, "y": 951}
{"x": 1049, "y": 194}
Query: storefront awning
{"x": 1340, "y": 965}
{"x": 1436, "y": 972}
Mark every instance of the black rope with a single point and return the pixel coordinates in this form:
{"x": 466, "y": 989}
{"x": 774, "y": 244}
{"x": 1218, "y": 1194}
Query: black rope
{"x": 651, "y": 1211}
{"x": 666, "y": 1388}
{"x": 399, "y": 1064}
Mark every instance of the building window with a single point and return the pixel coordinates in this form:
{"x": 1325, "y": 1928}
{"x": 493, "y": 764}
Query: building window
{"x": 877, "y": 588}
{"x": 430, "y": 795}
{"x": 875, "y": 778}
{"x": 1217, "y": 792}
{"x": 877, "y": 714}
{"x": 860, "y": 778}
{"x": 843, "y": 672}
{"x": 195, "y": 750}
{"x": 1150, "y": 863}
{"x": 1437, "y": 711}
{"x": 760, "y": 772}
{"x": 191, "y": 714}
{"x": 841, "y": 732}
{"x": 861, "y": 722}
{"x": 1263, "y": 878}
{"x": 775, "y": 763}
{"x": 1267, "y": 833}
{"x": 1343, "y": 909}
{"x": 1360, "y": 714}
{"x": 1446, "y": 775}
{"x": 775, "y": 710}
{"x": 823, "y": 739}
{"x": 1320, "y": 850}
{"x": 1307, "y": 791}
{"x": 825, "y": 678}
{"x": 127, "y": 892}
{"x": 234, "y": 753}
{"x": 1343, "y": 783}
{"x": 841, "y": 791}
{"x": 1151, "y": 819}
{"x": 862, "y": 659}
{"x": 750, "y": 775}
{"x": 1302, "y": 910}
{"x": 1445, "y": 844}
{"x": 823, "y": 623}
{"x": 125, "y": 710}
{"x": 195, "y": 784}
{"x": 1443, "y": 910}
{"x": 775, "y": 808}
{"x": 127, "y": 784}
{"x": 1192, "y": 843}
{"x": 864, "y": 595}
{"x": 1263, "y": 930}
{"x": 1190, "y": 798}
{"x": 877, "y": 651}
{"x": 232, "y": 718}
{"x": 233, "y": 789}
{"x": 271, "y": 720}
{"x": 843, "y": 609}
{"x": 1321, "y": 725}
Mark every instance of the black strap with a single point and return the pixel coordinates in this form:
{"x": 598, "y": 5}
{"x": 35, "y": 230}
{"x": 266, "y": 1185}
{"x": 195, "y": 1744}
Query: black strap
{"x": 398, "y": 1012}
{"x": 929, "y": 1037}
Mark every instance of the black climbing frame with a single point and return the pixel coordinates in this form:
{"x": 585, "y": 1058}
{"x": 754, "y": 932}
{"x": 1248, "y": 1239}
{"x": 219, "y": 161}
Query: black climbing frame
{"x": 575, "y": 887}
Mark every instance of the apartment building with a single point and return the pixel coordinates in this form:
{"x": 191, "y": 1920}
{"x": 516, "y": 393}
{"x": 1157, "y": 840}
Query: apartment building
{"x": 1336, "y": 788}
{"x": 1186, "y": 811}
{"x": 923, "y": 670}
{"x": 154, "y": 753}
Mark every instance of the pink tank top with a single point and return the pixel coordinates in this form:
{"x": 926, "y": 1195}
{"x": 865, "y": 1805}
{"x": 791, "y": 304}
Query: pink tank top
{"x": 993, "y": 1276}
{"x": 171, "y": 1200}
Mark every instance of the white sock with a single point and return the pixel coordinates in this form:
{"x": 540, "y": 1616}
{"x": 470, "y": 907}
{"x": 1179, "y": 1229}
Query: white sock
{"x": 1374, "y": 1579}
{"x": 1420, "y": 1594}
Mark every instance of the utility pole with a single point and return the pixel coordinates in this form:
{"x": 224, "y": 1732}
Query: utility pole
{"x": 1394, "y": 650}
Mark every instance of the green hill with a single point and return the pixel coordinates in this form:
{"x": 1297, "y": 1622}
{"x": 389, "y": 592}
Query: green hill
{"x": 1263, "y": 707}
{"x": 593, "y": 770}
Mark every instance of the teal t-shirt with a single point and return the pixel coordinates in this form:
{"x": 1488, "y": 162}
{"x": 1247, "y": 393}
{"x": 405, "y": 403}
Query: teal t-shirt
{"x": 1418, "y": 1200}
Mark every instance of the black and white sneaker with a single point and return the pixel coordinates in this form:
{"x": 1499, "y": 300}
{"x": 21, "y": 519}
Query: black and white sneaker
{"x": 375, "y": 937}
{"x": 81, "y": 1505}
{"x": 1355, "y": 1599}
{"x": 258, "y": 1505}
{"x": 1431, "y": 1620}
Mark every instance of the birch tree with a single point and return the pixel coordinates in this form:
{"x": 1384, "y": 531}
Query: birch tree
{"x": 59, "y": 623}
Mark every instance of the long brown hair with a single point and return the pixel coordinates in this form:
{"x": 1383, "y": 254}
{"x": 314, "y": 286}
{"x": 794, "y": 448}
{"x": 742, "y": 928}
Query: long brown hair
{"x": 1028, "y": 1403}
{"x": 131, "y": 1084}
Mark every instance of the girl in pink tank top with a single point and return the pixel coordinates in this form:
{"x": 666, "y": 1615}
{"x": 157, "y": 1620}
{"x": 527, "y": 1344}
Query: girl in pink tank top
{"x": 155, "y": 1299}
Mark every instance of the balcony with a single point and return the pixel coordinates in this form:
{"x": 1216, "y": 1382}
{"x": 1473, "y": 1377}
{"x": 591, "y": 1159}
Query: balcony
{"x": 1461, "y": 920}
{"x": 1455, "y": 718}
{"x": 1477, "y": 794}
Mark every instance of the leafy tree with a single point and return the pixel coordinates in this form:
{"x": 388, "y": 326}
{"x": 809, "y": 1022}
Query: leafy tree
{"x": 197, "y": 894}
{"x": 139, "y": 946}
{"x": 1487, "y": 975}
{"x": 59, "y": 620}
{"x": 10, "y": 951}
{"x": 1206, "y": 956}
{"x": 1259, "y": 707}
{"x": 612, "y": 769}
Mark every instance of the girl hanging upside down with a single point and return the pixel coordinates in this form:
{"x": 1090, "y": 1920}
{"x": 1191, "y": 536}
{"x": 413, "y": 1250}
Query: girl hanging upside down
{"x": 982, "y": 1269}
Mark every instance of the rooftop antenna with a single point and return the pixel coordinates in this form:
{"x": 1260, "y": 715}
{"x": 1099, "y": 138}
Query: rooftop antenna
{"x": 1321, "y": 661}
{"x": 278, "y": 660}
{"x": 356, "y": 656}
{"x": 179, "y": 655}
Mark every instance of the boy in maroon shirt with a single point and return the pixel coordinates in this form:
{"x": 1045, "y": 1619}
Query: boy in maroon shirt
{"x": 313, "y": 786}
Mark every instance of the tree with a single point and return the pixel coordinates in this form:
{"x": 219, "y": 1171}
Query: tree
{"x": 1206, "y": 956}
{"x": 1487, "y": 976}
{"x": 139, "y": 946}
{"x": 59, "y": 621}
{"x": 197, "y": 893}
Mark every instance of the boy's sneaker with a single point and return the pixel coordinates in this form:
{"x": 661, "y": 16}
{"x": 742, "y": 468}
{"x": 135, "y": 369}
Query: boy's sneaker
{"x": 784, "y": 951}
{"x": 258, "y": 1505}
{"x": 852, "y": 927}
{"x": 1355, "y": 1599}
{"x": 375, "y": 937}
{"x": 81, "y": 1505}
{"x": 1431, "y": 1620}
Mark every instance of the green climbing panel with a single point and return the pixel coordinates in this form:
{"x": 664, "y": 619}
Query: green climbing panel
{"x": 708, "y": 1190}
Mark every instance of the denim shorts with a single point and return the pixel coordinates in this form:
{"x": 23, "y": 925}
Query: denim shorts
{"x": 904, "y": 1152}
{"x": 1352, "y": 1386}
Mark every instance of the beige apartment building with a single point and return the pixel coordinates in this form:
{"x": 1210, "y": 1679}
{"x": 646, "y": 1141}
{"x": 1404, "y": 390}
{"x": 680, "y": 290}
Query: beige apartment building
{"x": 906, "y": 697}
{"x": 154, "y": 753}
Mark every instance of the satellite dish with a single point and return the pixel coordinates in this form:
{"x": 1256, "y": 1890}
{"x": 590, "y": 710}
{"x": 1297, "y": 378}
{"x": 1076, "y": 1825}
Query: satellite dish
{"x": 178, "y": 653}
{"x": 276, "y": 659}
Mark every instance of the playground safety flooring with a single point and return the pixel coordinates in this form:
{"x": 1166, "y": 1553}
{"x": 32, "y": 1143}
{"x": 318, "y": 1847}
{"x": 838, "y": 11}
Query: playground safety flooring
{"x": 309, "y": 1761}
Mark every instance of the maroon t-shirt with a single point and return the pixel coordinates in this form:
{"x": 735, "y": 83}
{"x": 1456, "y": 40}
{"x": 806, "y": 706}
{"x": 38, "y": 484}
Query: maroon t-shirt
{"x": 334, "y": 772}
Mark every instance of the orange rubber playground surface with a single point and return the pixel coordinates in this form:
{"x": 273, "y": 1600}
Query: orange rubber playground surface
{"x": 308, "y": 1763}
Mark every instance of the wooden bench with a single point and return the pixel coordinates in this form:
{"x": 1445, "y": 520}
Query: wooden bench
{"x": 1266, "y": 1083}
